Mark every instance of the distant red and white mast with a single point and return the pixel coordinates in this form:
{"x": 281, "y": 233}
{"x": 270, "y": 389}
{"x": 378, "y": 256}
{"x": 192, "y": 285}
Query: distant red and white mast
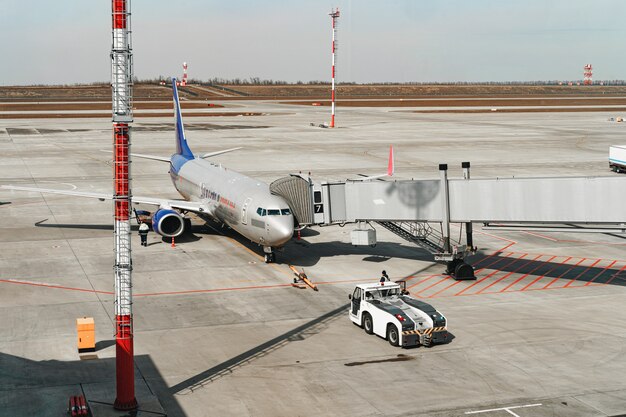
{"x": 588, "y": 73}
{"x": 184, "y": 81}
{"x": 334, "y": 14}
{"x": 121, "y": 87}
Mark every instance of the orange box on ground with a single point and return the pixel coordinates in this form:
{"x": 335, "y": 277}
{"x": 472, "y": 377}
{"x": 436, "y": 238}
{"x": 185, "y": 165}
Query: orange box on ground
{"x": 86, "y": 334}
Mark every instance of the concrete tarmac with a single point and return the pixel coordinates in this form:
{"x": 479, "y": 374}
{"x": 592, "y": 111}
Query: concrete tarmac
{"x": 220, "y": 333}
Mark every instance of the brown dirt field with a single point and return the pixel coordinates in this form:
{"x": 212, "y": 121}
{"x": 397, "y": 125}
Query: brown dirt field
{"x": 151, "y": 92}
{"x": 108, "y": 115}
{"x": 415, "y": 91}
{"x": 141, "y": 92}
{"x": 529, "y": 110}
{"x": 489, "y": 102}
{"x": 101, "y": 106}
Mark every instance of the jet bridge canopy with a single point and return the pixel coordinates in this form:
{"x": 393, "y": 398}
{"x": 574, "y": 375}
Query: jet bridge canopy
{"x": 594, "y": 200}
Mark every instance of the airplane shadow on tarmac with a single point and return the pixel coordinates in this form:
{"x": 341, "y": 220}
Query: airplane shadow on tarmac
{"x": 303, "y": 253}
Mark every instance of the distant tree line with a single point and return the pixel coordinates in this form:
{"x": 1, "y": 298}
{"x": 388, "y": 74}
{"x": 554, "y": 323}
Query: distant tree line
{"x": 258, "y": 81}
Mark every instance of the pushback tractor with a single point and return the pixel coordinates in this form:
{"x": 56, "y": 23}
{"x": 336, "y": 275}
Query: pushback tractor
{"x": 386, "y": 309}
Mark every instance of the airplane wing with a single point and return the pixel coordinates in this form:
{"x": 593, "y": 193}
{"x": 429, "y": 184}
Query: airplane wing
{"x": 391, "y": 167}
{"x": 161, "y": 202}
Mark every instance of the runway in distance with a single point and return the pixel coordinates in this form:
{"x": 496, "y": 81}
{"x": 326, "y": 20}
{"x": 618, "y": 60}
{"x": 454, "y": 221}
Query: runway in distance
{"x": 243, "y": 203}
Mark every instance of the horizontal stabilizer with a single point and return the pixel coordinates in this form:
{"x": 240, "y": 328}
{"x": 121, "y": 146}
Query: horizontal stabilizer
{"x": 391, "y": 167}
{"x": 210, "y": 154}
{"x": 144, "y": 156}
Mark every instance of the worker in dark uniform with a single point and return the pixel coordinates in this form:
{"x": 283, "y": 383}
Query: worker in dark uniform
{"x": 384, "y": 277}
{"x": 143, "y": 233}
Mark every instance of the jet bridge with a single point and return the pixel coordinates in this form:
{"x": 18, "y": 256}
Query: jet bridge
{"x": 421, "y": 211}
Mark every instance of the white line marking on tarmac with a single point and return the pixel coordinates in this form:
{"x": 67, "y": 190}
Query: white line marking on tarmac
{"x": 507, "y": 409}
{"x": 72, "y": 186}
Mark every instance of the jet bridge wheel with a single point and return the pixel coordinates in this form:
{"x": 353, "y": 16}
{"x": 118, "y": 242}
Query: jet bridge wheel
{"x": 459, "y": 270}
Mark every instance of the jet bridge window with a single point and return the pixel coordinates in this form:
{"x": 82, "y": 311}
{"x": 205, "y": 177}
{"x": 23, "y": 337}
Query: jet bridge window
{"x": 260, "y": 211}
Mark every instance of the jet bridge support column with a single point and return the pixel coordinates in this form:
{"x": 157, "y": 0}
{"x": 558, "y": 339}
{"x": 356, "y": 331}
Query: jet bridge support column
{"x": 468, "y": 225}
{"x": 445, "y": 218}
{"x": 456, "y": 266}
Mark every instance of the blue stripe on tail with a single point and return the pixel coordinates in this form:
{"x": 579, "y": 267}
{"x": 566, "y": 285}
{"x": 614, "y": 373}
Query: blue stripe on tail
{"x": 181, "y": 142}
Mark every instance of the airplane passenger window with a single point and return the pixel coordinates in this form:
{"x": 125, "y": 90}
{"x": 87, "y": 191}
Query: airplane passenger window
{"x": 285, "y": 212}
{"x": 271, "y": 212}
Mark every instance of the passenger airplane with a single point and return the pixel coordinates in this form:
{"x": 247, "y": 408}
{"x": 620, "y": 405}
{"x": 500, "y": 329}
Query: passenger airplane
{"x": 241, "y": 202}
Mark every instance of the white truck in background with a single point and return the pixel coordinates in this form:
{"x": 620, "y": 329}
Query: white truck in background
{"x": 386, "y": 309}
{"x": 617, "y": 158}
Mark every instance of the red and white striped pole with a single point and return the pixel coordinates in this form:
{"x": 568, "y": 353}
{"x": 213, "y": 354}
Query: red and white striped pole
{"x": 334, "y": 14}
{"x": 121, "y": 87}
{"x": 184, "y": 82}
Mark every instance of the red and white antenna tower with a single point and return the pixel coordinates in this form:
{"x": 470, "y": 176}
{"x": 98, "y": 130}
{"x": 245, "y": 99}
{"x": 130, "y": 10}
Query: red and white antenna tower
{"x": 587, "y": 74}
{"x": 334, "y": 14}
{"x": 184, "y": 81}
{"x": 121, "y": 86}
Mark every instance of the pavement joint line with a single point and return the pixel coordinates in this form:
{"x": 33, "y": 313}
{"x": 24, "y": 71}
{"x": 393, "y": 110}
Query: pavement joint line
{"x": 528, "y": 273}
{"x": 581, "y": 274}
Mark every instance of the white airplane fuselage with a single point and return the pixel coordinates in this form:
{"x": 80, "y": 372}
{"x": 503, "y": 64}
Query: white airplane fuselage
{"x": 243, "y": 203}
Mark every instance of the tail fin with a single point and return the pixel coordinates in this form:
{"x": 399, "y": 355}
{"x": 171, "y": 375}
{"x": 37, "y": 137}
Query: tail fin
{"x": 181, "y": 142}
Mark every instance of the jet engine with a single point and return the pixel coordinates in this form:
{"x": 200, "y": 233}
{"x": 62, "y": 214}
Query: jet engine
{"x": 168, "y": 223}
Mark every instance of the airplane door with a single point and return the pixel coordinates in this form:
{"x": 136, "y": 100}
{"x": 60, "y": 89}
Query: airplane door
{"x": 244, "y": 211}
{"x": 356, "y": 302}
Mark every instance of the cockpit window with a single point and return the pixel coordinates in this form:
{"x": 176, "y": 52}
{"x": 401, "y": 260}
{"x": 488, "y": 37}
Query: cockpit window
{"x": 260, "y": 211}
{"x": 272, "y": 212}
{"x": 285, "y": 212}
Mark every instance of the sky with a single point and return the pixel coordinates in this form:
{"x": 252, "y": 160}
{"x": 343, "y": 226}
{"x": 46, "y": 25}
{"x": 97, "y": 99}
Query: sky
{"x": 46, "y": 42}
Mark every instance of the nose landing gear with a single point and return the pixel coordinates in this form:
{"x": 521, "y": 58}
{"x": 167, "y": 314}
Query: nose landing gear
{"x": 270, "y": 256}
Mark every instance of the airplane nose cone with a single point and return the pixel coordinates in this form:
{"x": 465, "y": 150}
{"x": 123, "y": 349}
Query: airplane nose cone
{"x": 281, "y": 230}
